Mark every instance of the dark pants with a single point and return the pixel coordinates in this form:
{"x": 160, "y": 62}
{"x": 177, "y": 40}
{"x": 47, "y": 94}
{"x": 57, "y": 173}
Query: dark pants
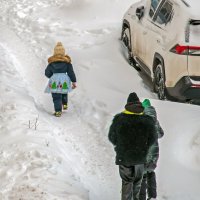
{"x": 131, "y": 181}
{"x": 149, "y": 184}
{"x": 58, "y": 100}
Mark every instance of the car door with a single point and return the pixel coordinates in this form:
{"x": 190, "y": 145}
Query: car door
{"x": 144, "y": 37}
{"x": 138, "y": 26}
{"x": 156, "y": 35}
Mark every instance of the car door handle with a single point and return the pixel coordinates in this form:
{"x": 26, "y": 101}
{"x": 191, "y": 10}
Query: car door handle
{"x": 144, "y": 32}
{"x": 158, "y": 41}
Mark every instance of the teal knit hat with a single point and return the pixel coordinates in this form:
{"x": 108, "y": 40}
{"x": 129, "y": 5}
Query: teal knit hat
{"x": 146, "y": 103}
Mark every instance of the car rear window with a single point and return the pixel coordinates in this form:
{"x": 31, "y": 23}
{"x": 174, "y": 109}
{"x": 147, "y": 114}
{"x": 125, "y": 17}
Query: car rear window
{"x": 194, "y": 37}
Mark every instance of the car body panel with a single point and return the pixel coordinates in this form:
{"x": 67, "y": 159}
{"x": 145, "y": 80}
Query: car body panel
{"x": 150, "y": 36}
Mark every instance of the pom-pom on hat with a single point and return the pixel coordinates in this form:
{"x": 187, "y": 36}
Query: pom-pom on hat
{"x": 133, "y": 98}
{"x": 146, "y": 103}
{"x": 59, "y": 50}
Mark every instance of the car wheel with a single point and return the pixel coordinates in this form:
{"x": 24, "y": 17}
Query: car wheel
{"x": 126, "y": 39}
{"x": 159, "y": 82}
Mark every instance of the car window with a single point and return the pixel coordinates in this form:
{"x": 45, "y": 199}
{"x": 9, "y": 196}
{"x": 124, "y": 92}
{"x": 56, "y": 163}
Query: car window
{"x": 194, "y": 39}
{"x": 165, "y": 13}
{"x": 154, "y": 5}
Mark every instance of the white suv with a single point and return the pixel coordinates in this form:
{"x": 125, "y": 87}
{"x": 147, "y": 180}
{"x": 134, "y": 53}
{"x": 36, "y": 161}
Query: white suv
{"x": 163, "y": 38}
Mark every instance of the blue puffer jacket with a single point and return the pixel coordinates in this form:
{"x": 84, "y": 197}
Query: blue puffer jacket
{"x": 60, "y": 75}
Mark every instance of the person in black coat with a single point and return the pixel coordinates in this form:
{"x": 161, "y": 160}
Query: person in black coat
{"x": 61, "y": 68}
{"x": 132, "y": 133}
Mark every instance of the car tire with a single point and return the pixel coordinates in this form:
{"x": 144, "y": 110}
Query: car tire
{"x": 159, "y": 82}
{"x": 126, "y": 39}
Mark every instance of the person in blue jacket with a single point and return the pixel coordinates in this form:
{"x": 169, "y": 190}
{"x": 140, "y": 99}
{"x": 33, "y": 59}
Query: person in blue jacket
{"x": 62, "y": 78}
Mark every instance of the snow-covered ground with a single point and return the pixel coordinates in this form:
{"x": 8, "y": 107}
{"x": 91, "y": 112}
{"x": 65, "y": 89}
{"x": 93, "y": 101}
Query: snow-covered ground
{"x": 70, "y": 158}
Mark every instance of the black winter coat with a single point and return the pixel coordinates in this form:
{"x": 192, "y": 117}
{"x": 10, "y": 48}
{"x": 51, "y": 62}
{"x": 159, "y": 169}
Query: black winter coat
{"x": 60, "y": 67}
{"x": 132, "y": 136}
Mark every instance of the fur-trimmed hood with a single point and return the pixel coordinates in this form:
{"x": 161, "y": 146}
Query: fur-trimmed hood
{"x": 58, "y": 58}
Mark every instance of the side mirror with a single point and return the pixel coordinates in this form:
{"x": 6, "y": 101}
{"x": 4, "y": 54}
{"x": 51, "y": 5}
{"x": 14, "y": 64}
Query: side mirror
{"x": 140, "y": 12}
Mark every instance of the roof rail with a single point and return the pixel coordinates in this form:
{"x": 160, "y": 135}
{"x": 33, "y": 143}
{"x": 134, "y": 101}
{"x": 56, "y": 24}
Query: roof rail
{"x": 185, "y": 3}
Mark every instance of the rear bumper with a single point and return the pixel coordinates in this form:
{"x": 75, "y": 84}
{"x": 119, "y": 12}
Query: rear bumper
{"x": 187, "y": 88}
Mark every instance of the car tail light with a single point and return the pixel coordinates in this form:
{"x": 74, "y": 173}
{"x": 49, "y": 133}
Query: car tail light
{"x": 195, "y": 86}
{"x": 184, "y": 50}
